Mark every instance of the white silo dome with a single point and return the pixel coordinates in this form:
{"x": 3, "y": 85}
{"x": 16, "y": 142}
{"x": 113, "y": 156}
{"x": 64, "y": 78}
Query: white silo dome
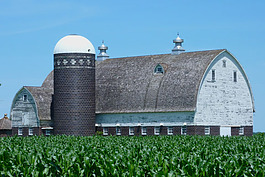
{"x": 74, "y": 44}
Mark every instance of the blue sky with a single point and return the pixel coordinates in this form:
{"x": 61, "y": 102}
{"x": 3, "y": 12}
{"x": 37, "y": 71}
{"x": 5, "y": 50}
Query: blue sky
{"x": 30, "y": 29}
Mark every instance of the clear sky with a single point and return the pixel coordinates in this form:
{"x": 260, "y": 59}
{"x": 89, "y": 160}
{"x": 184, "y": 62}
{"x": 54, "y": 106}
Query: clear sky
{"x": 30, "y": 29}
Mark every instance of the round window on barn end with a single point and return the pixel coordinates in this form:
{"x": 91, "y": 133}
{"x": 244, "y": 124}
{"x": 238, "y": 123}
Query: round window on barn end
{"x": 159, "y": 69}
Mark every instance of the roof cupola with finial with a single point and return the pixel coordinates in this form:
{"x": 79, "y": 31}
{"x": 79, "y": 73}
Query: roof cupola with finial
{"x": 102, "y": 52}
{"x": 178, "y": 46}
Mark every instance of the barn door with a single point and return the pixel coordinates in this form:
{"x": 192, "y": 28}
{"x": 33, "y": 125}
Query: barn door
{"x": 225, "y": 131}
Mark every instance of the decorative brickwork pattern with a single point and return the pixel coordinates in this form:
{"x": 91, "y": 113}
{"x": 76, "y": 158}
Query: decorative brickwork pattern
{"x": 74, "y": 94}
{"x": 74, "y": 61}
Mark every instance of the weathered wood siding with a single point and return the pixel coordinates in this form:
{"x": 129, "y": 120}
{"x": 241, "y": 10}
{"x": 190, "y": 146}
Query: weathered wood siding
{"x": 224, "y": 101}
{"x": 145, "y": 119}
{"x": 24, "y": 112}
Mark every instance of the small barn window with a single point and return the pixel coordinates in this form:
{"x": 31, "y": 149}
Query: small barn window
{"x": 184, "y": 130}
{"x": 105, "y": 131}
{"x": 118, "y": 130}
{"x": 207, "y": 130}
{"x": 25, "y": 97}
{"x": 144, "y": 132}
{"x": 224, "y": 63}
{"x": 235, "y": 76}
{"x": 241, "y": 131}
{"x": 20, "y": 131}
{"x": 157, "y": 130}
{"x": 159, "y": 69}
{"x": 170, "y": 130}
{"x": 131, "y": 130}
{"x": 213, "y": 75}
{"x": 48, "y": 132}
{"x": 30, "y": 131}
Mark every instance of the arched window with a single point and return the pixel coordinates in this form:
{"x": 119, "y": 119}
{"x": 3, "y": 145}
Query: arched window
{"x": 159, "y": 69}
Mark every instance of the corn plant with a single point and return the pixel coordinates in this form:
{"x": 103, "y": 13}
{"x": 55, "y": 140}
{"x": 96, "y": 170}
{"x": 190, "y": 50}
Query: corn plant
{"x": 132, "y": 156}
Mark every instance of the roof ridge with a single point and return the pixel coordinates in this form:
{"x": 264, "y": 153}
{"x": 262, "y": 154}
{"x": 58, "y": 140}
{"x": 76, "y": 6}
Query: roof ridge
{"x": 165, "y": 54}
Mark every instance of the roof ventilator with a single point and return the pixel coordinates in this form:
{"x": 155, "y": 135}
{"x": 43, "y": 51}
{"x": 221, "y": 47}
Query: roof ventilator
{"x": 102, "y": 54}
{"x": 178, "y": 46}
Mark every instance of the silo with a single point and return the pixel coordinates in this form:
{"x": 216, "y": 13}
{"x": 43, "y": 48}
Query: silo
{"x": 74, "y": 86}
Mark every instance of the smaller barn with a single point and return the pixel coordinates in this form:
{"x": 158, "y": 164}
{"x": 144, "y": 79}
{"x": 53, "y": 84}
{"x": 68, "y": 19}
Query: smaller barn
{"x": 5, "y": 126}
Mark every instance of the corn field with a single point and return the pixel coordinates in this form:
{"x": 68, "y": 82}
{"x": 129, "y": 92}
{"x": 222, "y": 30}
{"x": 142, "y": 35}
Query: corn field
{"x": 133, "y": 156}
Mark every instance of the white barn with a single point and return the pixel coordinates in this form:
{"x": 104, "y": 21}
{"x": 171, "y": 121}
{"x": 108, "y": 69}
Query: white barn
{"x": 194, "y": 93}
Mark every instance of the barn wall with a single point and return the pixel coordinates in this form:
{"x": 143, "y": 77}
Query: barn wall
{"x": 191, "y": 130}
{"x": 223, "y": 101}
{"x": 215, "y": 130}
{"x": 24, "y": 113}
{"x": 5, "y": 133}
{"x": 248, "y": 130}
{"x": 234, "y": 131}
{"x": 25, "y": 131}
{"x": 145, "y": 119}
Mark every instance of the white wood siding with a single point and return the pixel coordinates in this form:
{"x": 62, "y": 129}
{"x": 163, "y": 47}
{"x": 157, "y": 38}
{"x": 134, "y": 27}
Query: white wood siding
{"x": 223, "y": 101}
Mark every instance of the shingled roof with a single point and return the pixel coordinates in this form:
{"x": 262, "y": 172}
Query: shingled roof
{"x": 5, "y": 124}
{"x": 129, "y": 85}
{"x": 48, "y": 82}
{"x": 43, "y": 99}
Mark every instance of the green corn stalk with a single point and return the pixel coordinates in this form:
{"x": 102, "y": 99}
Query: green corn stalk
{"x": 132, "y": 156}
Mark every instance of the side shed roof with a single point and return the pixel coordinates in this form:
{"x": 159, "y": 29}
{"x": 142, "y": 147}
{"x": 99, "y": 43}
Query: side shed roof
{"x": 5, "y": 124}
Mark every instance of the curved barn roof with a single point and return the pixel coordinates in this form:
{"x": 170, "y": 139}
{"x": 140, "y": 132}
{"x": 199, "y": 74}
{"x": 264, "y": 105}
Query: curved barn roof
{"x": 48, "y": 82}
{"x": 128, "y": 85}
{"x": 43, "y": 100}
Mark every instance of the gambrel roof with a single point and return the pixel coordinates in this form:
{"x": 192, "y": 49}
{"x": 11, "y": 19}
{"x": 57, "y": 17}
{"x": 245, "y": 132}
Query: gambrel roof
{"x": 126, "y": 85}
{"x": 43, "y": 99}
{"x": 129, "y": 85}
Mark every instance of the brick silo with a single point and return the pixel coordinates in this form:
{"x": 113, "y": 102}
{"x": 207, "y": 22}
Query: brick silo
{"x": 74, "y": 86}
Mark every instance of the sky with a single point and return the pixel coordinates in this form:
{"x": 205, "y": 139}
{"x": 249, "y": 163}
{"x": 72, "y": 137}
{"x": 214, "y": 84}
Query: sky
{"x": 29, "y": 31}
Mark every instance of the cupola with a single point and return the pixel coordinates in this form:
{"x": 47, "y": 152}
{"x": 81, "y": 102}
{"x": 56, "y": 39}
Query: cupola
{"x": 178, "y": 46}
{"x": 102, "y": 52}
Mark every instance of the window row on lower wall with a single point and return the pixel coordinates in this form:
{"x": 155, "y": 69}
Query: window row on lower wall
{"x": 30, "y": 131}
{"x": 174, "y": 130}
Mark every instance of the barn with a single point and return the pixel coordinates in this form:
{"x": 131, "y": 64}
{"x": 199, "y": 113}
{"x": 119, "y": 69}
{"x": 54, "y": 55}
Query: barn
{"x": 181, "y": 93}
{"x": 5, "y": 127}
